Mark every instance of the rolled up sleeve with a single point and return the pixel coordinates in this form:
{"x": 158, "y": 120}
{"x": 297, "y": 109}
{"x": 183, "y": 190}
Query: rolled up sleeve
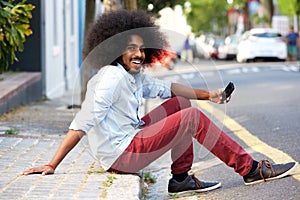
{"x": 153, "y": 88}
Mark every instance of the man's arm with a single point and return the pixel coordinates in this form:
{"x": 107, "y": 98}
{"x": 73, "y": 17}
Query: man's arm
{"x": 198, "y": 94}
{"x": 70, "y": 141}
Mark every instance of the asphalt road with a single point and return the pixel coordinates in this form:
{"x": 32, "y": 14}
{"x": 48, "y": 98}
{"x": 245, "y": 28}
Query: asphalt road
{"x": 266, "y": 103}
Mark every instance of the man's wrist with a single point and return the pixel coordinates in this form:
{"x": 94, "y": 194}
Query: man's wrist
{"x": 51, "y": 166}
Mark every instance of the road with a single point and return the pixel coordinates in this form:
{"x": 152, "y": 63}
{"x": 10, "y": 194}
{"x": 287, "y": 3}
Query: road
{"x": 264, "y": 113}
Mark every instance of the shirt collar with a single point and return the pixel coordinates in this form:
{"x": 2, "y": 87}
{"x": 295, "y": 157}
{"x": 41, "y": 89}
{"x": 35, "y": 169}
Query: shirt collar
{"x": 131, "y": 77}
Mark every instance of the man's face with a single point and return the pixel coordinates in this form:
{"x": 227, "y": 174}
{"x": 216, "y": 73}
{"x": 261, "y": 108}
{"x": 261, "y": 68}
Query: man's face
{"x": 134, "y": 55}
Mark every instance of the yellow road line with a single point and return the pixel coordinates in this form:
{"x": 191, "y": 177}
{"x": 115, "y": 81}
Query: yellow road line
{"x": 252, "y": 141}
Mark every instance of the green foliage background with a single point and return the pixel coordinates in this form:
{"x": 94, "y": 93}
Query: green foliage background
{"x": 207, "y": 13}
{"x": 14, "y": 28}
{"x": 289, "y": 7}
{"x": 158, "y": 4}
{"x": 204, "y": 13}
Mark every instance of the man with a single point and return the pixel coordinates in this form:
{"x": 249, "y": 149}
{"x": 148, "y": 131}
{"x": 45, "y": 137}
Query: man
{"x": 292, "y": 40}
{"x": 125, "y": 143}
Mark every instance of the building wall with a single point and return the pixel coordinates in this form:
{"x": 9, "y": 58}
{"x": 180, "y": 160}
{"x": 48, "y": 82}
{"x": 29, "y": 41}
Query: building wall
{"x": 54, "y": 44}
{"x": 72, "y": 72}
{"x": 61, "y": 46}
{"x": 81, "y": 16}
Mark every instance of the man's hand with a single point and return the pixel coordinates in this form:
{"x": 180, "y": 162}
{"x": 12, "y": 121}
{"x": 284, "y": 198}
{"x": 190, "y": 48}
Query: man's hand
{"x": 216, "y": 96}
{"x": 44, "y": 170}
{"x": 72, "y": 138}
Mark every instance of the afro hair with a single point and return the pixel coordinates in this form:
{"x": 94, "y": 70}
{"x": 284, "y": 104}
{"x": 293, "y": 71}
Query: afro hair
{"x": 109, "y": 36}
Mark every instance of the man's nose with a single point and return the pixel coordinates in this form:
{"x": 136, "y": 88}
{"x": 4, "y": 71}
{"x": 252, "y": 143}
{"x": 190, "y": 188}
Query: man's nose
{"x": 138, "y": 52}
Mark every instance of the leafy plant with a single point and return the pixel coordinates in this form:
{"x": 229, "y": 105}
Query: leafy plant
{"x": 257, "y": 20}
{"x": 12, "y": 131}
{"x": 14, "y": 28}
{"x": 98, "y": 170}
{"x": 148, "y": 178}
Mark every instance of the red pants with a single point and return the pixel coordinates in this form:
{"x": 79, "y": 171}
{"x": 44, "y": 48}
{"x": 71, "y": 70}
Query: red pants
{"x": 172, "y": 126}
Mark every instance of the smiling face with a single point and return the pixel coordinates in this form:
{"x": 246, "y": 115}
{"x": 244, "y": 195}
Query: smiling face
{"x": 134, "y": 55}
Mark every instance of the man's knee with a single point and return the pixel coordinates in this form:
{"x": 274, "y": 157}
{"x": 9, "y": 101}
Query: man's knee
{"x": 193, "y": 113}
{"x": 183, "y": 102}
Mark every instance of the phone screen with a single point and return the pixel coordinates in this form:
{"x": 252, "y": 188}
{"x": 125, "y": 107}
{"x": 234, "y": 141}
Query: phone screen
{"x": 228, "y": 90}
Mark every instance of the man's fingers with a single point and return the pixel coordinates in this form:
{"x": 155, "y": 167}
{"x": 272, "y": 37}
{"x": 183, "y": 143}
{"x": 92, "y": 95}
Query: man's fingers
{"x": 30, "y": 171}
{"x": 47, "y": 171}
{"x": 42, "y": 170}
{"x": 217, "y": 97}
{"x": 228, "y": 99}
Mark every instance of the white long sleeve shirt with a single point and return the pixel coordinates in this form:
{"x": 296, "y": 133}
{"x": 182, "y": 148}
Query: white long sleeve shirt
{"x": 109, "y": 113}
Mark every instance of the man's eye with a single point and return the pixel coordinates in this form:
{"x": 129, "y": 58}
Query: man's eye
{"x": 131, "y": 48}
{"x": 135, "y": 48}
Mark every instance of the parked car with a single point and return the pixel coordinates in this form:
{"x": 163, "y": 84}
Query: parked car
{"x": 228, "y": 48}
{"x": 261, "y": 43}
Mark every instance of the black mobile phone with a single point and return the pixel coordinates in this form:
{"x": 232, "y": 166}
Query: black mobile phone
{"x": 228, "y": 90}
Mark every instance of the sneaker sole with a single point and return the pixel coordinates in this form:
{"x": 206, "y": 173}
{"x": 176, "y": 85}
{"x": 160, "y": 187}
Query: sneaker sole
{"x": 197, "y": 191}
{"x": 274, "y": 178}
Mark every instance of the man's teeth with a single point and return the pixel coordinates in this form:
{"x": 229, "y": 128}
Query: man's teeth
{"x": 136, "y": 61}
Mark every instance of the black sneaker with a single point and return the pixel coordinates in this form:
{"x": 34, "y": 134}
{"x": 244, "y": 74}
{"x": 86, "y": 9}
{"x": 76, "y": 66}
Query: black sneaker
{"x": 266, "y": 171}
{"x": 191, "y": 184}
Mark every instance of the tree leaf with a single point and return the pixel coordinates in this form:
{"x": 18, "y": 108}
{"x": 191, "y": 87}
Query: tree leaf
{"x": 4, "y": 13}
{"x": 14, "y": 27}
{"x": 5, "y": 3}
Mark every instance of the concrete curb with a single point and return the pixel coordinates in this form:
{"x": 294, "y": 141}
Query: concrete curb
{"x": 18, "y": 89}
{"x": 79, "y": 176}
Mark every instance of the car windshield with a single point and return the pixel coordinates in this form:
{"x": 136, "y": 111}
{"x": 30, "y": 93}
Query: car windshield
{"x": 267, "y": 35}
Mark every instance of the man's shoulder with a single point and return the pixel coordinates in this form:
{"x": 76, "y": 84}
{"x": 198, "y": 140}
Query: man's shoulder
{"x": 109, "y": 73}
{"x": 109, "y": 69}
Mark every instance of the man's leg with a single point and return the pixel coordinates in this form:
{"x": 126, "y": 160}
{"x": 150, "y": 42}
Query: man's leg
{"x": 207, "y": 134}
{"x": 159, "y": 134}
{"x": 233, "y": 155}
{"x": 182, "y": 156}
{"x": 167, "y": 108}
{"x": 221, "y": 145}
{"x": 165, "y": 130}
{"x": 175, "y": 132}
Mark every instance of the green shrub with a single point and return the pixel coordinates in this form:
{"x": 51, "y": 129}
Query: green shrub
{"x": 12, "y": 131}
{"x": 14, "y": 28}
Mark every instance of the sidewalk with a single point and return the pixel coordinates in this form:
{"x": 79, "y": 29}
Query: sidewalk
{"x": 41, "y": 127}
{"x": 19, "y": 88}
